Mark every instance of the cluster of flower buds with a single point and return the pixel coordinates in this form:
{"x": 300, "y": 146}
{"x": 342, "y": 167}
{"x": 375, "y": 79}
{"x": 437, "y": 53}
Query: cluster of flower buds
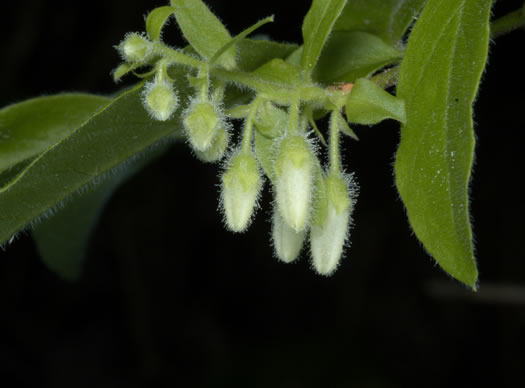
{"x": 308, "y": 202}
{"x": 159, "y": 96}
{"x": 203, "y": 120}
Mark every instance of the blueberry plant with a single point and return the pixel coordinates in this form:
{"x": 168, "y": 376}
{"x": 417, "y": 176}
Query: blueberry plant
{"x": 62, "y": 156}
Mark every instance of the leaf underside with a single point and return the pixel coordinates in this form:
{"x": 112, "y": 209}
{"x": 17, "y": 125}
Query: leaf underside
{"x": 32, "y": 126}
{"x": 110, "y": 137}
{"x": 439, "y": 77}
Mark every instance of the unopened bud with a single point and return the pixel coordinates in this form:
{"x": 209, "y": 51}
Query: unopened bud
{"x": 135, "y": 48}
{"x": 294, "y": 172}
{"x": 330, "y": 227}
{"x": 160, "y": 99}
{"x": 286, "y": 241}
{"x": 217, "y": 148}
{"x": 201, "y": 124}
{"x": 241, "y": 184}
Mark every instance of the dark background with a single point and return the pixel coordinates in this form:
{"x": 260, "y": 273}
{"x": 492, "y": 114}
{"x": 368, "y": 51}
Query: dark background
{"x": 170, "y": 298}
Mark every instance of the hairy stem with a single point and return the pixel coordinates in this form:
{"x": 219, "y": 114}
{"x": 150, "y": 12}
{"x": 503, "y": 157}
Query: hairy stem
{"x": 293, "y": 113}
{"x": 248, "y": 125}
{"x": 508, "y": 23}
{"x": 334, "y": 142}
{"x": 386, "y": 78}
{"x": 205, "y": 76}
{"x": 175, "y": 56}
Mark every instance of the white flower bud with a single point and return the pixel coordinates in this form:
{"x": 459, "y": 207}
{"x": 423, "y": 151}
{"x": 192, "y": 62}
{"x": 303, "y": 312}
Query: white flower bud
{"x": 159, "y": 99}
{"x": 294, "y": 173}
{"x": 286, "y": 241}
{"x": 135, "y": 48}
{"x": 241, "y": 185}
{"x": 201, "y": 123}
{"x": 329, "y": 230}
{"x": 217, "y": 148}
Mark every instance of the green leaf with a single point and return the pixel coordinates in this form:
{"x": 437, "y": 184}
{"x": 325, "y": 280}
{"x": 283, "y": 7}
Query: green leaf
{"x": 388, "y": 19}
{"x": 350, "y": 55}
{"x": 295, "y": 57}
{"x": 30, "y": 127}
{"x": 156, "y": 20}
{"x": 438, "y": 80}
{"x": 309, "y": 114}
{"x": 279, "y": 72}
{"x": 62, "y": 238}
{"x": 124, "y": 69}
{"x": 345, "y": 128}
{"x": 317, "y": 25}
{"x": 255, "y": 53}
{"x": 108, "y": 139}
{"x": 203, "y": 30}
{"x": 11, "y": 174}
{"x": 367, "y": 103}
